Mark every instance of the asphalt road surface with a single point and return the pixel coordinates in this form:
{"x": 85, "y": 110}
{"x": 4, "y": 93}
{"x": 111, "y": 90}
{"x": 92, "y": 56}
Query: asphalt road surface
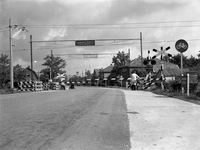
{"x": 80, "y": 119}
{"x": 92, "y": 118}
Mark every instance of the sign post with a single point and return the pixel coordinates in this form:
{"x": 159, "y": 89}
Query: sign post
{"x": 161, "y": 52}
{"x": 181, "y": 46}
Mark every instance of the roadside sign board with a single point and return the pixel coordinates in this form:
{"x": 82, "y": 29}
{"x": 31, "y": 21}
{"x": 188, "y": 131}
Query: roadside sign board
{"x": 85, "y": 43}
{"x": 181, "y": 45}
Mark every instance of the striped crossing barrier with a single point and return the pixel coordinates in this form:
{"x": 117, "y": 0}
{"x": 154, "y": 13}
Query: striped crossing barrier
{"x": 26, "y": 86}
{"x": 56, "y": 86}
{"x": 38, "y": 86}
{"x": 46, "y": 86}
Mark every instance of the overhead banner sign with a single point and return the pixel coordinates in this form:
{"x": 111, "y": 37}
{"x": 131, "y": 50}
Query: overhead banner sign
{"x": 90, "y": 55}
{"x": 85, "y": 43}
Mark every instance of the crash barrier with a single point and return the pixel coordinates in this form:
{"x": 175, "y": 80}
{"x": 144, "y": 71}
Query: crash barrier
{"x": 38, "y": 86}
{"x": 46, "y": 86}
{"x": 56, "y": 86}
{"x": 26, "y": 86}
{"x": 30, "y": 86}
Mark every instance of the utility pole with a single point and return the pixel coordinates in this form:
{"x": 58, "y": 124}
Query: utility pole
{"x": 141, "y": 54}
{"x": 11, "y": 54}
{"x": 51, "y": 64}
{"x": 31, "y": 51}
{"x": 129, "y": 63}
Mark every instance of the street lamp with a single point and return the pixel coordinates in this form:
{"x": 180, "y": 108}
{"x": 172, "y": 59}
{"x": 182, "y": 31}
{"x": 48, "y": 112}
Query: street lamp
{"x": 89, "y": 71}
{"x": 11, "y": 50}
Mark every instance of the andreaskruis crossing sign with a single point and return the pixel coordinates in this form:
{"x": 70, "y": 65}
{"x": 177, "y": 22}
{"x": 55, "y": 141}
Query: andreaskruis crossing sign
{"x": 161, "y": 52}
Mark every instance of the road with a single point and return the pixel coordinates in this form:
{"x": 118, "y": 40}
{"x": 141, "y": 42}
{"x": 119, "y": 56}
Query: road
{"x": 84, "y": 118}
{"x": 90, "y": 118}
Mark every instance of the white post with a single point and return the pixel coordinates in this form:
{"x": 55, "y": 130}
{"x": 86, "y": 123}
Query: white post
{"x": 188, "y": 85}
{"x": 182, "y": 88}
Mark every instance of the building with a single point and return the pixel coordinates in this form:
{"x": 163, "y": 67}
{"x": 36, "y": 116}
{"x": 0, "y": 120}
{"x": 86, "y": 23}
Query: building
{"x": 170, "y": 70}
{"x": 28, "y": 71}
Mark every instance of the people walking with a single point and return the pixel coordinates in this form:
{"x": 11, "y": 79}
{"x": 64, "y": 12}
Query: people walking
{"x": 134, "y": 78}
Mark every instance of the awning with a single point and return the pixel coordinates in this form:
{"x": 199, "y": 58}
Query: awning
{"x": 113, "y": 79}
{"x": 129, "y": 79}
{"x": 88, "y": 79}
{"x": 105, "y": 79}
{"x": 97, "y": 79}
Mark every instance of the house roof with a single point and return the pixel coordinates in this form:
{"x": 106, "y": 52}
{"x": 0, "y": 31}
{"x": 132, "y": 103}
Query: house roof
{"x": 173, "y": 72}
{"x": 108, "y": 69}
{"x": 166, "y": 65}
{"x": 136, "y": 62}
{"x": 29, "y": 69}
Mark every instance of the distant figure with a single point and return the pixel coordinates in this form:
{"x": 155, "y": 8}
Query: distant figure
{"x": 62, "y": 86}
{"x": 71, "y": 85}
{"x": 134, "y": 78}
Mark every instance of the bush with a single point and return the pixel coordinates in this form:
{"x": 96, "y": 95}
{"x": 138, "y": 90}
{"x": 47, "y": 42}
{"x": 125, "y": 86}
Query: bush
{"x": 193, "y": 87}
{"x": 173, "y": 86}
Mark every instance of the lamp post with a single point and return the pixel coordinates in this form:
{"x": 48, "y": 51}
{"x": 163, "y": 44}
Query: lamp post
{"x": 89, "y": 71}
{"x": 11, "y": 50}
{"x": 11, "y": 54}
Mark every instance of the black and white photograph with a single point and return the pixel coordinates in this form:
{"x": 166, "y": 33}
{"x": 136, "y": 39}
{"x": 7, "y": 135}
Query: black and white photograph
{"x": 99, "y": 75}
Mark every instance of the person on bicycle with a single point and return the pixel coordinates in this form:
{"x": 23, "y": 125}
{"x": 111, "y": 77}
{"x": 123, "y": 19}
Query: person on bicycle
{"x": 134, "y": 78}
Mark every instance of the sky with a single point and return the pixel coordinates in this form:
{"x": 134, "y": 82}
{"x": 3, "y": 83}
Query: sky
{"x": 115, "y": 25}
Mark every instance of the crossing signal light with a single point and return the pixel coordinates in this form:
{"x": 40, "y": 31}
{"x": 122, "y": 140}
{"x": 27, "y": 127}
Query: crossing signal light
{"x": 145, "y": 62}
{"x": 153, "y": 62}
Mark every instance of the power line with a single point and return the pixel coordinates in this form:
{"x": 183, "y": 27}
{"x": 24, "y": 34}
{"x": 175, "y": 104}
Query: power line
{"x": 72, "y": 46}
{"x": 118, "y": 25}
{"x": 129, "y": 23}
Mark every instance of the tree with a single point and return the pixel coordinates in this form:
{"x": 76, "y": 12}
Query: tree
{"x": 122, "y": 59}
{"x": 176, "y": 59}
{"x": 19, "y": 74}
{"x": 54, "y": 66}
{"x": 4, "y": 69}
{"x": 88, "y": 73}
{"x": 187, "y": 62}
{"x": 45, "y": 74}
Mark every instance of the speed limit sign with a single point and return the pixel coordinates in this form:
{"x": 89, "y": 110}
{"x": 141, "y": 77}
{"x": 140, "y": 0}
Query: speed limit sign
{"x": 181, "y": 45}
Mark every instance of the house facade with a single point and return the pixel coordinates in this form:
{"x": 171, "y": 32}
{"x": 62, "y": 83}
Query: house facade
{"x": 29, "y": 72}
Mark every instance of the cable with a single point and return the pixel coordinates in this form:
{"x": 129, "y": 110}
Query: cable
{"x": 74, "y": 25}
{"x": 72, "y": 46}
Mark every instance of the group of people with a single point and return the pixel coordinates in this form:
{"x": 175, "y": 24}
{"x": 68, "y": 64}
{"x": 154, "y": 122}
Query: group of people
{"x": 135, "y": 78}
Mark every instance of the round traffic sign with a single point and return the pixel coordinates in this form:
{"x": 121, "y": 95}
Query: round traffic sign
{"x": 181, "y": 45}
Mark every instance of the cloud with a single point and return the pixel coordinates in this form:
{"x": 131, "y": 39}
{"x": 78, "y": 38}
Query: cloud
{"x": 53, "y": 33}
{"x": 99, "y": 19}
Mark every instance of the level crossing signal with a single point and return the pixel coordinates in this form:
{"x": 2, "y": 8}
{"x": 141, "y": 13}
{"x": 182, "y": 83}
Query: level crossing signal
{"x": 149, "y": 61}
{"x": 161, "y": 52}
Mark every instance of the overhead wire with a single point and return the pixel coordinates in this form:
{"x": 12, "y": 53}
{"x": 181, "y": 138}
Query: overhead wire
{"x": 166, "y": 41}
{"x": 119, "y": 25}
{"x": 114, "y": 26}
